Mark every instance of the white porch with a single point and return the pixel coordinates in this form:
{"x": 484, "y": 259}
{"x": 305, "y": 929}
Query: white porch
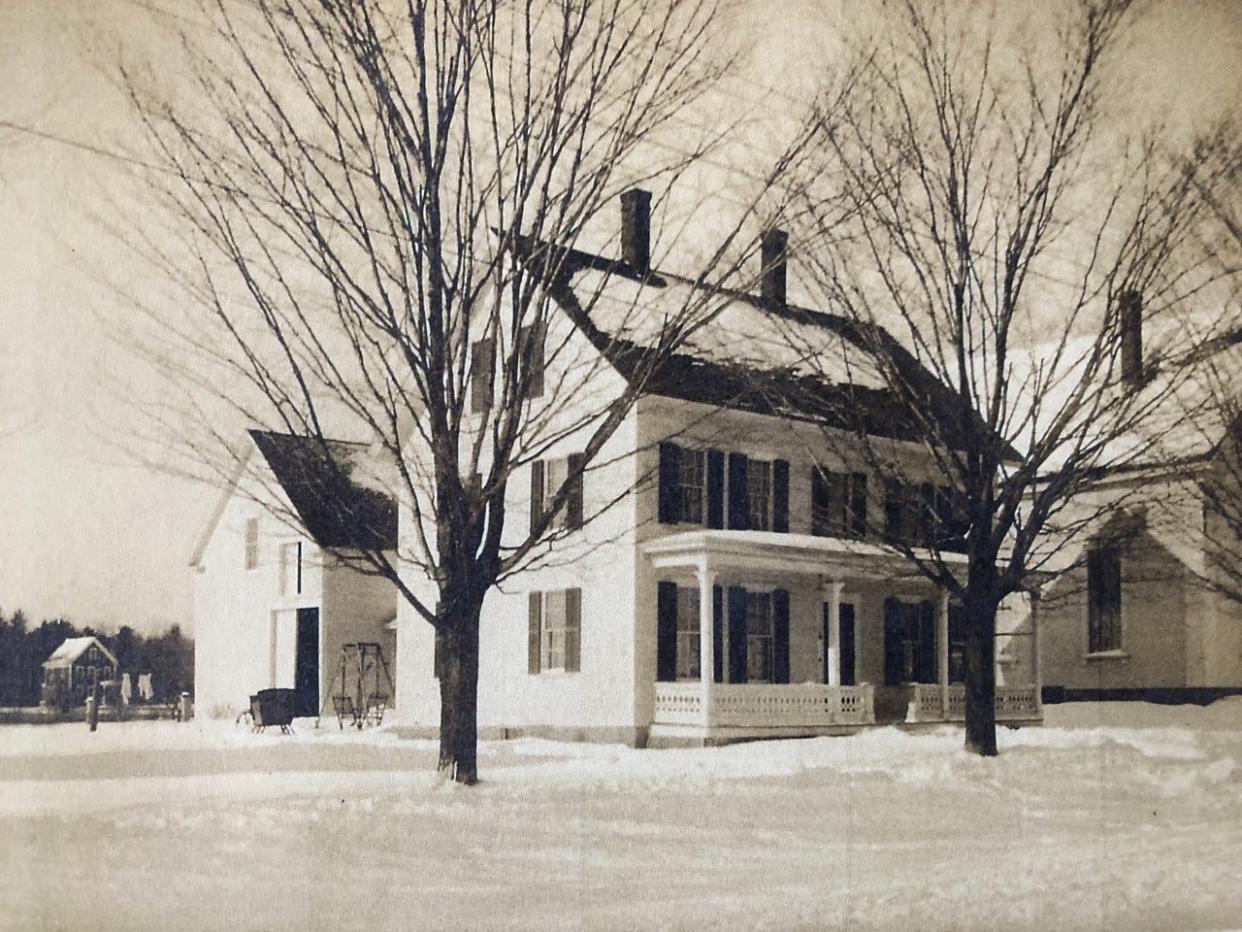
{"x": 833, "y": 573}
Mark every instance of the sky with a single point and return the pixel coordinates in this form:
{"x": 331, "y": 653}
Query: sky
{"x": 88, "y": 532}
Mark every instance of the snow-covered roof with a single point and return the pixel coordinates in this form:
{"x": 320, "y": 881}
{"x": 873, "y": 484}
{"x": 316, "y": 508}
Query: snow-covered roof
{"x": 73, "y": 648}
{"x": 746, "y": 353}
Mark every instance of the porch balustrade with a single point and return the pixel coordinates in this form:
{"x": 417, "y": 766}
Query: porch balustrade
{"x": 931, "y": 702}
{"x": 755, "y": 705}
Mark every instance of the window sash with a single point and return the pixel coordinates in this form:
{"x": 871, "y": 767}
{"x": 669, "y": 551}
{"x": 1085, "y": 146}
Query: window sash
{"x": 1104, "y": 600}
{"x": 252, "y": 543}
{"x": 759, "y": 628}
{"x": 558, "y": 632}
{"x": 759, "y": 494}
{"x": 692, "y": 485}
{"x": 688, "y": 667}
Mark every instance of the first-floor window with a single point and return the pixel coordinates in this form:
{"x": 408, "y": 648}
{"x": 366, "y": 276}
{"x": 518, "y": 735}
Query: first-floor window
{"x": 688, "y": 633}
{"x": 1104, "y": 599}
{"x": 759, "y": 637}
{"x": 555, "y": 630}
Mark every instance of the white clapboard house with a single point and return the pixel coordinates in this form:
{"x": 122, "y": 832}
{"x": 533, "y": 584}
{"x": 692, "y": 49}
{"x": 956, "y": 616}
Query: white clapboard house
{"x": 274, "y": 602}
{"x": 734, "y": 590}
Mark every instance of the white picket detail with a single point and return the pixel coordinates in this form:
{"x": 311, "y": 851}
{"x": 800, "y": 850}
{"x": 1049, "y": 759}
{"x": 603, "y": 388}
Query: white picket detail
{"x": 931, "y": 702}
{"x": 760, "y": 705}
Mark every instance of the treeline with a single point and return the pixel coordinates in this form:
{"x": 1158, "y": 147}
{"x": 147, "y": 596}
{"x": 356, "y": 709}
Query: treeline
{"x": 168, "y": 657}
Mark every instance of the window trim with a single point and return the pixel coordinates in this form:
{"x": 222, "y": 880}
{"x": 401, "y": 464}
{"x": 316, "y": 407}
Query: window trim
{"x": 766, "y": 640}
{"x": 1096, "y": 649}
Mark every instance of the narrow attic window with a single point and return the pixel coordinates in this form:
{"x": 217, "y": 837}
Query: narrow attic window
{"x": 482, "y": 367}
{"x": 532, "y": 340}
{"x": 252, "y": 543}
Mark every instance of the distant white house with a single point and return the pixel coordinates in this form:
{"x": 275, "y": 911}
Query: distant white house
{"x": 274, "y": 602}
{"x": 75, "y": 666}
{"x": 1135, "y": 616}
{"x": 736, "y": 589}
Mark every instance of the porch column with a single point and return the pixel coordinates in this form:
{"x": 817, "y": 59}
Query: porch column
{"x": 942, "y": 650}
{"x": 707, "y": 636}
{"x": 832, "y": 650}
{"x": 1036, "y": 678}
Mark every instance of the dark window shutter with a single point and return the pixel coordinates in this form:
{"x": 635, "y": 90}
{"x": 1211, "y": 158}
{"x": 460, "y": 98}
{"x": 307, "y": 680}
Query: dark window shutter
{"x": 737, "y": 634}
{"x": 573, "y": 504}
{"x": 715, "y": 489}
{"x": 819, "y": 503}
{"x": 847, "y": 644}
{"x": 858, "y": 504}
{"x": 717, "y": 633}
{"x": 534, "y": 605}
{"x": 780, "y": 636}
{"x": 739, "y": 505}
{"x": 482, "y": 365}
{"x": 536, "y": 494}
{"x": 780, "y": 496}
{"x": 670, "y": 483}
{"x": 666, "y": 631}
{"x": 573, "y": 630}
{"x": 925, "y": 666}
{"x": 531, "y": 339}
{"x": 893, "y": 507}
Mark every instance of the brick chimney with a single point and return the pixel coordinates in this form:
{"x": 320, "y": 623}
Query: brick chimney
{"x": 636, "y": 229}
{"x": 773, "y": 253}
{"x": 1130, "y": 311}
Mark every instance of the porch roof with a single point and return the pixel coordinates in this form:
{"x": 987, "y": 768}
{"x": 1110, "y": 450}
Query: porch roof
{"x": 769, "y": 551}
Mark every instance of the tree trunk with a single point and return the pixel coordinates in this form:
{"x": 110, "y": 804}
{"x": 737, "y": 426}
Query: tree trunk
{"x": 980, "y": 676}
{"x": 459, "y": 697}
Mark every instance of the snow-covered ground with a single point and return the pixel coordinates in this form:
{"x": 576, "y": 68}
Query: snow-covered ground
{"x": 1112, "y": 816}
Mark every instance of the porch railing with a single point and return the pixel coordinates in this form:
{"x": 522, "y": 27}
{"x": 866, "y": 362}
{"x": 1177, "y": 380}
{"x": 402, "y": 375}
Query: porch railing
{"x": 931, "y": 702}
{"x": 756, "y": 705}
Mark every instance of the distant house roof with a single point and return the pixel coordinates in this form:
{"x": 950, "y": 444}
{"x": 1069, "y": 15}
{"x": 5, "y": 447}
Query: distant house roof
{"x": 73, "y": 648}
{"x": 321, "y": 479}
{"x": 752, "y": 355}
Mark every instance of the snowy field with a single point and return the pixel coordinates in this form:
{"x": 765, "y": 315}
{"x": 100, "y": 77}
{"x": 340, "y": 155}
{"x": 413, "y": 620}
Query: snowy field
{"x": 1113, "y": 816}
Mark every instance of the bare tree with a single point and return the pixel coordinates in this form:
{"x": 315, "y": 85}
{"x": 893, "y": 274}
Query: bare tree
{"x": 981, "y": 224}
{"x": 374, "y": 208}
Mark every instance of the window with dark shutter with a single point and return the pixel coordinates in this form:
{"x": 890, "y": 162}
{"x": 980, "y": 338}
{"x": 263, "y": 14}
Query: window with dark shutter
{"x": 691, "y": 486}
{"x": 1104, "y": 599}
{"x": 894, "y": 506}
{"x": 482, "y": 367}
{"x": 688, "y": 653}
{"x": 669, "y": 483}
{"x": 758, "y": 495}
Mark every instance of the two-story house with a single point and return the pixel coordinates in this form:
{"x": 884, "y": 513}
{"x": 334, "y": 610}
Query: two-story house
{"x": 739, "y": 583}
{"x": 276, "y": 596}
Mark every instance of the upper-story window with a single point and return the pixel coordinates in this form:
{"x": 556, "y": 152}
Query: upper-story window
{"x": 692, "y": 485}
{"x": 759, "y": 494}
{"x": 546, "y": 479}
{"x": 252, "y": 543}
{"x": 838, "y": 503}
{"x": 1104, "y": 599}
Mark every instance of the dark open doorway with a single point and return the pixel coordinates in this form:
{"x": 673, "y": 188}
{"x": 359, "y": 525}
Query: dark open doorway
{"x": 909, "y": 642}
{"x": 306, "y": 672}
